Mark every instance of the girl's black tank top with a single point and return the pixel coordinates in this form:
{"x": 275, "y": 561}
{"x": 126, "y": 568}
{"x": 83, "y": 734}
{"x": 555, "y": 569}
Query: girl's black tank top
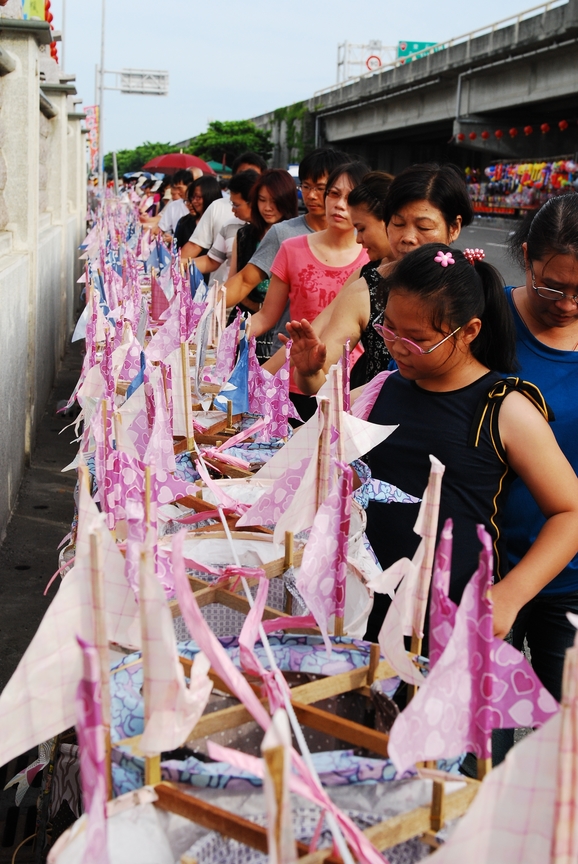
{"x": 455, "y": 428}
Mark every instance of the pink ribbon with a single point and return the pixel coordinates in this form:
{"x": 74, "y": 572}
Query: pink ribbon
{"x": 221, "y": 495}
{"x": 217, "y": 453}
{"x": 243, "y": 435}
{"x": 305, "y": 784}
{"x": 58, "y": 572}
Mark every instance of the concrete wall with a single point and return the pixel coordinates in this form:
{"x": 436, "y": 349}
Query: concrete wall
{"x": 42, "y": 221}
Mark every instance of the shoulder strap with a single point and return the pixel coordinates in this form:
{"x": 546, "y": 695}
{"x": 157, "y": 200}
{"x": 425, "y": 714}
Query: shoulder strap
{"x": 489, "y": 408}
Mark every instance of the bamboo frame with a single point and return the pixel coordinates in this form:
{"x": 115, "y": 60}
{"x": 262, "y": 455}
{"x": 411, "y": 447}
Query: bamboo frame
{"x": 152, "y": 763}
{"x": 101, "y": 645}
{"x": 186, "y": 372}
{"x": 174, "y": 799}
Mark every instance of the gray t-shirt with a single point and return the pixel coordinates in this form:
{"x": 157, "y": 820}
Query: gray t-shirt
{"x": 271, "y": 242}
{"x": 265, "y": 255}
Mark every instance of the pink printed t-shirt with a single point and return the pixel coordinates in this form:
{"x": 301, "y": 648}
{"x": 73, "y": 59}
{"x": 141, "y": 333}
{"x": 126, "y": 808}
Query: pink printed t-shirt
{"x": 312, "y": 284}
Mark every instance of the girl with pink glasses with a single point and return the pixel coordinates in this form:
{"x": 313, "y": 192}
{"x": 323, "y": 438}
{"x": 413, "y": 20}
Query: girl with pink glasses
{"x": 448, "y": 326}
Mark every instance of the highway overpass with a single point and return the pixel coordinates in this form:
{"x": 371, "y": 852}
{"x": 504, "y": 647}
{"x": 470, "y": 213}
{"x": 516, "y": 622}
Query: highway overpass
{"x": 517, "y": 74}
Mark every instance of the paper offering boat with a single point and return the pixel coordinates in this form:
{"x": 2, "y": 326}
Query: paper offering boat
{"x": 206, "y": 638}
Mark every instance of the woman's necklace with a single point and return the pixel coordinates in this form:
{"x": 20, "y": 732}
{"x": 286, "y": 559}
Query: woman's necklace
{"x": 526, "y": 323}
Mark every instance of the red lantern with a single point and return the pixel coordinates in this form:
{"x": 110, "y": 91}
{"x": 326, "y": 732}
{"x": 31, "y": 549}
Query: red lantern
{"x": 513, "y": 132}
{"x": 544, "y": 128}
{"x": 563, "y": 125}
{"x": 485, "y": 135}
{"x": 528, "y": 130}
{"x": 499, "y": 134}
{"x": 472, "y": 136}
{"x": 460, "y": 136}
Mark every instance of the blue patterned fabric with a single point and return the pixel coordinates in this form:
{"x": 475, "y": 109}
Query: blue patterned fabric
{"x": 294, "y": 653}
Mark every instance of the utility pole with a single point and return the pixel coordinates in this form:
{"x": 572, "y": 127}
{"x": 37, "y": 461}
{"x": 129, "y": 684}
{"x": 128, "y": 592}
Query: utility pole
{"x": 101, "y": 104}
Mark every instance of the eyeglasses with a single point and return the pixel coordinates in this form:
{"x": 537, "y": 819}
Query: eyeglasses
{"x": 389, "y": 337}
{"x": 305, "y": 187}
{"x": 551, "y": 293}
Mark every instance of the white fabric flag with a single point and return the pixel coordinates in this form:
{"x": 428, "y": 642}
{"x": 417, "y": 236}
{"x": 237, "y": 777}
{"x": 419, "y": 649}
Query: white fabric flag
{"x": 174, "y": 708}
{"x": 39, "y": 700}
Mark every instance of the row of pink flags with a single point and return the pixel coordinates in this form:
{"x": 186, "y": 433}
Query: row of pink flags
{"x": 121, "y": 578}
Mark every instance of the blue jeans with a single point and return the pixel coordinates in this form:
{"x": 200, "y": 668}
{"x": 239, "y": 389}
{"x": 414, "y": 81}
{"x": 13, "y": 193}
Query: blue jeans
{"x": 549, "y": 634}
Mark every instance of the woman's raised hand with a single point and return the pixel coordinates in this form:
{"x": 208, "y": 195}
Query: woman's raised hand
{"x": 308, "y": 353}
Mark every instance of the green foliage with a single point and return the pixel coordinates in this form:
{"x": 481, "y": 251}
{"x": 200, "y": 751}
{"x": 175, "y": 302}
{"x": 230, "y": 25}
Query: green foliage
{"x": 298, "y": 129}
{"x": 133, "y": 160}
{"x": 229, "y": 137}
{"x": 232, "y": 138}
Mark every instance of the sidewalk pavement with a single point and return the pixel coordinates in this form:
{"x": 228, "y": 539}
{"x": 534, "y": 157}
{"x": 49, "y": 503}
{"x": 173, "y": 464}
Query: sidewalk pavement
{"x": 29, "y": 553}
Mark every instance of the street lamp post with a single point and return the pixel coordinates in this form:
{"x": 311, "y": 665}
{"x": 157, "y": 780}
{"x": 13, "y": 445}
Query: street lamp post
{"x": 101, "y": 103}
{"x": 146, "y": 82}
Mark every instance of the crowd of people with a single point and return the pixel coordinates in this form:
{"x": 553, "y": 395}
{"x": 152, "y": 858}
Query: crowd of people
{"x": 480, "y": 375}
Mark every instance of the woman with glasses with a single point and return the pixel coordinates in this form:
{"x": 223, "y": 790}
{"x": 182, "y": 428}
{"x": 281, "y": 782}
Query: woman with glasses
{"x": 545, "y": 311}
{"x": 200, "y": 194}
{"x": 448, "y": 327}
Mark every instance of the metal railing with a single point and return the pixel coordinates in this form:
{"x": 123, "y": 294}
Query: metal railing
{"x": 516, "y": 20}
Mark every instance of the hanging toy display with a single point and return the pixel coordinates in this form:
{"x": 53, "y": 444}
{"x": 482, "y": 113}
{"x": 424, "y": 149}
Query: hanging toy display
{"x": 505, "y": 187}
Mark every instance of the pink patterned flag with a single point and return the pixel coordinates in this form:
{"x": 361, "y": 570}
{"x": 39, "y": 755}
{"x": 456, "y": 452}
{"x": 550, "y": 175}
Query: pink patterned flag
{"x": 479, "y": 683}
{"x": 227, "y": 351}
{"x": 174, "y": 707}
{"x": 442, "y": 613}
{"x": 131, "y": 362}
{"x": 90, "y": 732}
{"x": 159, "y": 302}
{"x": 160, "y": 449}
{"x": 105, "y": 460}
{"x": 131, "y": 425}
{"x": 167, "y": 338}
{"x": 269, "y": 395}
{"x": 321, "y": 579}
{"x": 525, "y": 811}
{"x": 565, "y": 839}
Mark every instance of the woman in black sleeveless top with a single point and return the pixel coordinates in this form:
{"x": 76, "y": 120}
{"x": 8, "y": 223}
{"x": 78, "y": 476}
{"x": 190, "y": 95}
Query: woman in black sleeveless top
{"x": 448, "y": 327}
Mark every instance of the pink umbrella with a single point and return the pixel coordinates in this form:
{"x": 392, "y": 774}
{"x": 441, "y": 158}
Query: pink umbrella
{"x": 171, "y": 162}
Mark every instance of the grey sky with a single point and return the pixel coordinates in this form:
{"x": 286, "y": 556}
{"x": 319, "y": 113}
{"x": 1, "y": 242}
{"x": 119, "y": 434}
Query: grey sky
{"x": 235, "y": 59}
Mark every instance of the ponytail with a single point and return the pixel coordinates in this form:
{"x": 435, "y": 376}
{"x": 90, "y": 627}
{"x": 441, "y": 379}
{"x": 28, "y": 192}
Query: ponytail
{"x": 457, "y": 294}
{"x": 495, "y": 345}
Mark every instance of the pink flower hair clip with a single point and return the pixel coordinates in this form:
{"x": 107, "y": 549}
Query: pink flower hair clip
{"x": 474, "y": 255}
{"x": 444, "y": 258}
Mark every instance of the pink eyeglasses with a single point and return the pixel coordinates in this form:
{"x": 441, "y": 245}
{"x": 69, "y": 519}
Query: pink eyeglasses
{"x": 389, "y": 337}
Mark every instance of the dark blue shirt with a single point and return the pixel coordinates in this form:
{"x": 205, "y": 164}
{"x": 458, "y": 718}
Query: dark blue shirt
{"x": 556, "y": 374}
